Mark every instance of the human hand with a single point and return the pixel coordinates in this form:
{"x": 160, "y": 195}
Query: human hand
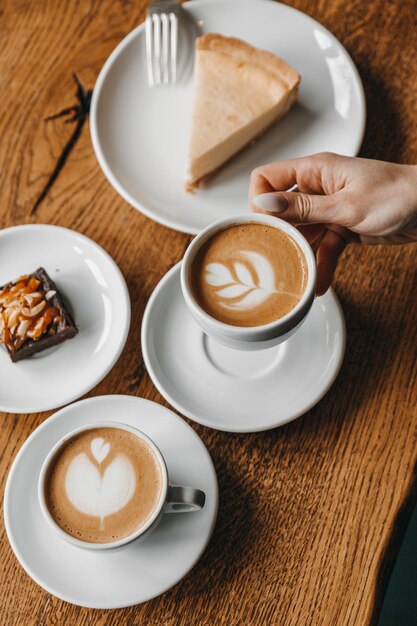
{"x": 339, "y": 200}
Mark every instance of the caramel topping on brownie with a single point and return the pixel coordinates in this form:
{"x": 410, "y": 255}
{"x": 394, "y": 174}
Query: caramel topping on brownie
{"x": 25, "y": 312}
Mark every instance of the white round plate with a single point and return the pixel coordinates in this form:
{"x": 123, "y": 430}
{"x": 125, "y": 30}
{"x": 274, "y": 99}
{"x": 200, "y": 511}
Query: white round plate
{"x": 234, "y": 390}
{"x": 95, "y": 292}
{"x": 140, "y": 134}
{"x": 137, "y": 572}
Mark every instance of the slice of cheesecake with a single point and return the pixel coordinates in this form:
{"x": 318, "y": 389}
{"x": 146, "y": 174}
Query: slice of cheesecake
{"x": 239, "y": 92}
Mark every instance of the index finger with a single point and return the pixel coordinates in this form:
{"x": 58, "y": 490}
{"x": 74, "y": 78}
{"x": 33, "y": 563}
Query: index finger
{"x": 278, "y": 176}
{"x": 314, "y": 174}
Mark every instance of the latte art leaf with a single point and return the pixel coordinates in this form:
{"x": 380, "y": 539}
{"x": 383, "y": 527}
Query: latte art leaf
{"x": 253, "y": 298}
{"x": 233, "y": 291}
{"x": 244, "y": 274}
{"x": 247, "y": 285}
{"x": 218, "y": 274}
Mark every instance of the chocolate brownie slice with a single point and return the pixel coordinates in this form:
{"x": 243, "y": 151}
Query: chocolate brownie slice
{"x": 33, "y": 316}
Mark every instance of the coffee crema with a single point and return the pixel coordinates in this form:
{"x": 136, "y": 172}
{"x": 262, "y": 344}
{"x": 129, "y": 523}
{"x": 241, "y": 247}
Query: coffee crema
{"x": 248, "y": 274}
{"x": 103, "y": 485}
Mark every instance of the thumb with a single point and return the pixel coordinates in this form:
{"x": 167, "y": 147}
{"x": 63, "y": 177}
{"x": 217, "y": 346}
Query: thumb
{"x": 299, "y": 208}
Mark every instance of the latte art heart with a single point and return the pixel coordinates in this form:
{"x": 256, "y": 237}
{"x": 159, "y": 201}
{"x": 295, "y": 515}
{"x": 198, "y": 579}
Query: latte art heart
{"x": 99, "y": 449}
{"x": 96, "y": 493}
{"x": 103, "y": 484}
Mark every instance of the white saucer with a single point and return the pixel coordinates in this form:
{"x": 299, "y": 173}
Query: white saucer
{"x": 137, "y": 572}
{"x": 140, "y": 134}
{"x": 234, "y": 390}
{"x": 96, "y": 293}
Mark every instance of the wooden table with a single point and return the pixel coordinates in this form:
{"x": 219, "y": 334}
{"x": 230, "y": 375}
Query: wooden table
{"x": 311, "y": 514}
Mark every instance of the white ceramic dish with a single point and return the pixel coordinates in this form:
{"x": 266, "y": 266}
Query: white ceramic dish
{"x": 230, "y": 389}
{"x": 96, "y": 292}
{"x": 140, "y": 134}
{"x": 135, "y": 573}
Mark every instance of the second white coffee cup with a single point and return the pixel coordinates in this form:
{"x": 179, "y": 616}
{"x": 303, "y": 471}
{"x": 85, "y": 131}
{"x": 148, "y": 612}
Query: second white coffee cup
{"x": 172, "y": 498}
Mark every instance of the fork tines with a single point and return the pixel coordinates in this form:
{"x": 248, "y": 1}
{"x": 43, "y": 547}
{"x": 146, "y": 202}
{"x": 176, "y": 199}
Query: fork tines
{"x": 161, "y": 43}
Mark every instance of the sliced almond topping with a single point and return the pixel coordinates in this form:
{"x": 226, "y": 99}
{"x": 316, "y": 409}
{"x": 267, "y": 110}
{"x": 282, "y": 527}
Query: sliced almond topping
{"x": 6, "y": 336}
{"x": 38, "y": 329}
{"x": 30, "y": 297}
{"x": 12, "y": 318}
{"x": 22, "y": 328}
{"x": 25, "y": 312}
{"x": 13, "y": 304}
{"x": 32, "y": 312}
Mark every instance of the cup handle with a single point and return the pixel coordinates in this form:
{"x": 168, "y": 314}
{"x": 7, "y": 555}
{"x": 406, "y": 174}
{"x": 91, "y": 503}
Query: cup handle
{"x": 184, "y": 499}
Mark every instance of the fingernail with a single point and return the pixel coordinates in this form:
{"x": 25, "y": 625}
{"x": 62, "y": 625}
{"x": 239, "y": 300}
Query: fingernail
{"x": 271, "y": 202}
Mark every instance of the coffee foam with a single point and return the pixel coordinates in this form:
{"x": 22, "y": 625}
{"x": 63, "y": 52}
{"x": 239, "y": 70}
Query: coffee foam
{"x": 248, "y": 275}
{"x": 103, "y": 485}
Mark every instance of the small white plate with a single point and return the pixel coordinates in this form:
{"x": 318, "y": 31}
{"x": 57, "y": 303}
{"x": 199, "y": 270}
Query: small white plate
{"x": 140, "y": 134}
{"x": 234, "y": 390}
{"x": 96, "y": 293}
{"x": 138, "y": 572}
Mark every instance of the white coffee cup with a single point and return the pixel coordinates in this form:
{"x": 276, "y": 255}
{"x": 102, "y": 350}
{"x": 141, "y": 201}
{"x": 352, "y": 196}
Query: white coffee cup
{"x": 172, "y": 499}
{"x": 253, "y": 337}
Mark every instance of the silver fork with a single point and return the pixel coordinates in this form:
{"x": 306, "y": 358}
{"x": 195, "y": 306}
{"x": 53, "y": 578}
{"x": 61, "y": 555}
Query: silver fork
{"x": 162, "y": 41}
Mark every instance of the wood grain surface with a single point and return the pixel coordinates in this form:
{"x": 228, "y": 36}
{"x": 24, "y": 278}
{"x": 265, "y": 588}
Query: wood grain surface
{"x": 311, "y": 514}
